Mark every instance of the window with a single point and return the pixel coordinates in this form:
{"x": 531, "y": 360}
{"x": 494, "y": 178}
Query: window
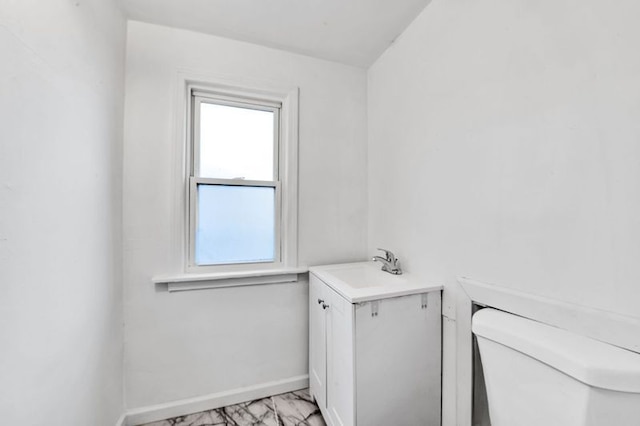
{"x": 242, "y": 180}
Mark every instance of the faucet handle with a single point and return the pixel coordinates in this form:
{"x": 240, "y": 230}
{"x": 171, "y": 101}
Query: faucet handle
{"x": 389, "y": 255}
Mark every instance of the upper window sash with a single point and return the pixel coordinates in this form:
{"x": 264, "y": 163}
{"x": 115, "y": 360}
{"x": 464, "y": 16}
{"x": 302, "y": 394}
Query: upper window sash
{"x": 198, "y": 98}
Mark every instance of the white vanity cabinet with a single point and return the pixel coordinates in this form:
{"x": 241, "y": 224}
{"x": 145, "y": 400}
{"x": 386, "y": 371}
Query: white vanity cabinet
{"x": 374, "y": 355}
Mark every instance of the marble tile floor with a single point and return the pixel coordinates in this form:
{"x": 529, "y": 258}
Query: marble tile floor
{"x": 291, "y": 409}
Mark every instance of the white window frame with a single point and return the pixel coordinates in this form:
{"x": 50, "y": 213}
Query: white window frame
{"x": 285, "y": 103}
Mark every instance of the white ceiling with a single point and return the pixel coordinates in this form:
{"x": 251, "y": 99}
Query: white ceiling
{"x": 354, "y": 32}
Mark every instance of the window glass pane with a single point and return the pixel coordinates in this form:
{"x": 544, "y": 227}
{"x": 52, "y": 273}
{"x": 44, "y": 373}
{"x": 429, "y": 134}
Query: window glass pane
{"x": 236, "y": 142}
{"x": 235, "y": 224}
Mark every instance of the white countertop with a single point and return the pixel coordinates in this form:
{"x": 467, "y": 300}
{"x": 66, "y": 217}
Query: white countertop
{"x": 365, "y": 281}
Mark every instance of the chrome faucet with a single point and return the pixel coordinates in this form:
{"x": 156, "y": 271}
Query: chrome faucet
{"x": 389, "y": 263}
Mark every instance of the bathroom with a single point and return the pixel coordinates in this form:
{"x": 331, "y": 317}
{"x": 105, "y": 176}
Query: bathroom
{"x": 488, "y": 144}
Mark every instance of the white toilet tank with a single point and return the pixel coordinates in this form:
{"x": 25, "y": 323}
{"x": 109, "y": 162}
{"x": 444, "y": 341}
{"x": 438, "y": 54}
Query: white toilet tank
{"x": 538, "y": 375}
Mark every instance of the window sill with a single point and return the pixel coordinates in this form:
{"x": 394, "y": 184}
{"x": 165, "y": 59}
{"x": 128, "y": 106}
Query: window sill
{"x": 184, "y": 282}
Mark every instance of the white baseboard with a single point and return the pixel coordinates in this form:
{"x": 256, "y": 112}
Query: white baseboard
{"x": 122, "y": 421}
{"x": 212, "y": 401}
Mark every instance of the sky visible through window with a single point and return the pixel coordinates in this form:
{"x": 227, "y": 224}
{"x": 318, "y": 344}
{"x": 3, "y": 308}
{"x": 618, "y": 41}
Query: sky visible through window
{"x": 236, "y": 143}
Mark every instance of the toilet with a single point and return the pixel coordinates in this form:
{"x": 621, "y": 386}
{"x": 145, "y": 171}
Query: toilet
{"x": 539, "y": 375}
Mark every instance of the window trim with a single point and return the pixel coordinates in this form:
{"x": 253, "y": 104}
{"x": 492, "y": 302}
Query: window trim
{"x": 287, "y": 161}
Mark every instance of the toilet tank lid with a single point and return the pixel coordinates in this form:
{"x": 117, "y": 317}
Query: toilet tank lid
{"x": 589, "y": 361}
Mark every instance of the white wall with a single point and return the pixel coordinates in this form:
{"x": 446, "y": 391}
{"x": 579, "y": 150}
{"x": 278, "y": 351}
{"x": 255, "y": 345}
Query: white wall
{"x": 61, "y": 99}
{"x": 504, "y": 145}
{"x": 195, "y": 343}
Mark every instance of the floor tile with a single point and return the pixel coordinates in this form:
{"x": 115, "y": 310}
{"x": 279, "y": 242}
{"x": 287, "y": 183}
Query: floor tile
{"x": 291, "y": 409}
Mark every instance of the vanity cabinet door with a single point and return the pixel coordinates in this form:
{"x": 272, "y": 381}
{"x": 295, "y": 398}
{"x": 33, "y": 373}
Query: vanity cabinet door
{"x": 340, "y": 358}
{"x": 318, "y": 340}
{"x": 397, "y": 358}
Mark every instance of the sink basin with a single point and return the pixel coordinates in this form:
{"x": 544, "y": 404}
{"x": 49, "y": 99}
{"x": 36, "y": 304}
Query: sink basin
{"x": 364, "y": 281}
{"x": 366, "y": 275}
